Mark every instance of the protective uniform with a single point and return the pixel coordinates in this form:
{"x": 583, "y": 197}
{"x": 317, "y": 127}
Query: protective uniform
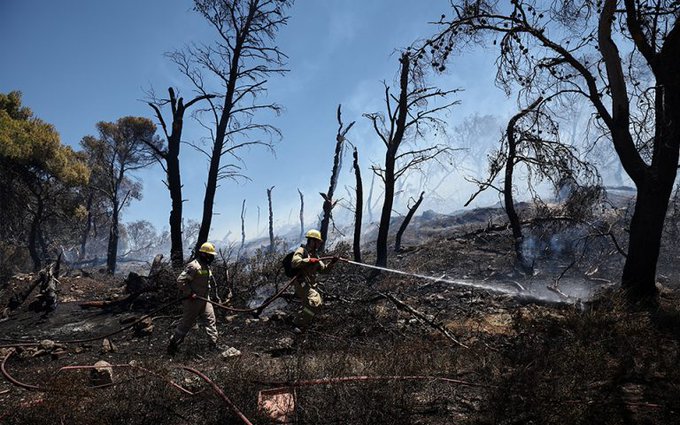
{"x": 195, "y": 279}
{"x": 305, "y": 285}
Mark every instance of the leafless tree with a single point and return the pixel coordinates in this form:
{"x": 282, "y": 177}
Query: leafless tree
{"x": 240, "y": 60}
{"x": 302, "y": 215}
{"x": 328, "y": 202}
{"x": 168, "y": 158}
{"x": 407, "y": 118}
{"x": 358, "y": 208}
{"x": 404, "y": 224}
{"x": 272, "y": 247}
{"x": 532, "y": 140}
{"x": 243, "y": 230}
{"x": 621, "y": 56}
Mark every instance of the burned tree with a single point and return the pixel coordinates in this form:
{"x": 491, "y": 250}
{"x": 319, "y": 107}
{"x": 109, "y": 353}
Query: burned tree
{"x": 272, "y": 247}
{"x": 358, "y": 208}
{"x": 405, "y": 223}
{"x": 119, "y": 151}
{"x": 240, "y": 61}
{"x": 635, "y": 94}
{"x": 168, "y": 157}
{"x": 532, "y": 140}
{"x": 243, "y": 230}
{"x": 328, "y": 203}
{"x": 407, "y": 119}
{"x": 302, "y": 215}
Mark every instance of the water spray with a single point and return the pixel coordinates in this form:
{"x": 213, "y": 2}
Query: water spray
{"x": 456, "y": 282}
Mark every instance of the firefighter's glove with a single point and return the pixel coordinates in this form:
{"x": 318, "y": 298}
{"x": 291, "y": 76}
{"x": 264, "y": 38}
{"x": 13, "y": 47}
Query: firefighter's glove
{"x": 192, "y": 296}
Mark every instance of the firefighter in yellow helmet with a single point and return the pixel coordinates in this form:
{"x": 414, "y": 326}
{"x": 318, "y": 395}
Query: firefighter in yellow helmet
{"x": 195, "y": 281}
{"x": 307, "y": 263}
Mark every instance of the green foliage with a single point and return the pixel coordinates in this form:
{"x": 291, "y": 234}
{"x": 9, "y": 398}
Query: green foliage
{"x": 40, "y": 179}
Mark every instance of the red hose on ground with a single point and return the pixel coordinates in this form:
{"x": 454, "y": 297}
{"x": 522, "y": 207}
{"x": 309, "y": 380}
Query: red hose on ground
{"x": 219, "y": 392}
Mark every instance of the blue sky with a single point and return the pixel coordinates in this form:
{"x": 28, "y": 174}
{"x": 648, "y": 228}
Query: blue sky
{"x": 78, "y": 62}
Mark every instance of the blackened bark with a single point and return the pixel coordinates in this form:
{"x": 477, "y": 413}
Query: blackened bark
{"x": 359, "y": 207}
{"x": 33, "y": 238}
{"x": 328, "y": 203}
{"x": 390, "y": 162}
{"x": 243, "y": 228}
{"x": 225, "y": 118}
{"x": 271, "y": 220}
{"x": 112, "y": 250}
{"x": 508, "y": 199}
{"x": 407, "y": 220}
{"x": 88, "y": 226}
{"x": 302, "y": 215}
{"x": 653, "y": 196}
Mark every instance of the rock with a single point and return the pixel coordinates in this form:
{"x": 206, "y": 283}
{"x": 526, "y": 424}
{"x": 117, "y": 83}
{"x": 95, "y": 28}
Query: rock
{"x": 231, "y": 318}
{"x": 102, "y": 374}
{"x": 230, "y": 352}
{"x": 144, "y": 327}
{"x": 249, "y": 321}
{"x": 278, "y": 315}
{"x": 283, "y": 343}
{"x": 108, "y": 346}
{"x": 47, "y": 344}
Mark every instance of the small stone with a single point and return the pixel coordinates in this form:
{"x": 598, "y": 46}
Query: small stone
{"x": 231, "y": 352}
{"x": 278, "y": 315}
{"x": 47, "y": 344}
{"x": 108, "y": 346}
{"x": 231, "y": 318}
{"x": 102, "y": 374}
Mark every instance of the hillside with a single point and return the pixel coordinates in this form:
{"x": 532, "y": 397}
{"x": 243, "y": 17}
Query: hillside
{"x": 476, "y": 342}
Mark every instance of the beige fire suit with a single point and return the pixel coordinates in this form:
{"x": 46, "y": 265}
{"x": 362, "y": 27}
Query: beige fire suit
{"x": 195, "y": 279}
{"x": 305, "y": 285}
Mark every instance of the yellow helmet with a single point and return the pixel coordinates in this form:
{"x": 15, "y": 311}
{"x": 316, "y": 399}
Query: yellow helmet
{"x": 314, "y": 234}
{"x": 208, "y": 248}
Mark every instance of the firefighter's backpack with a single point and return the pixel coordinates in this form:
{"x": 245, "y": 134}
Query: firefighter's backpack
{"x": 288, "y": 264}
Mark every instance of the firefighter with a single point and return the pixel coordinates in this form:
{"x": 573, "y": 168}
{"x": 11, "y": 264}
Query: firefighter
{"x": 307, "y": 264}
{"x": 195, "y": 282}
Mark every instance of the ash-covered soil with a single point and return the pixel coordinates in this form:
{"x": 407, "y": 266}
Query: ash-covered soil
{"x": 478, "y": 343}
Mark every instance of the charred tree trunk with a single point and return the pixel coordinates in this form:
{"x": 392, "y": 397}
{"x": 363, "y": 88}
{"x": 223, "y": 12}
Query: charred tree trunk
{"x": 369, "y": 201}
{"x": 390, "y": 161}
{"x": 509, "y": 202}
{"x": 88, "y": 226}
{"x": 33, "y": 237}
{"x": 243, "y": 229}
{"x": 271, "y": 220}
{"x": 654, "y": 191}
{"x": 407, "y": 220}
{"x": 358, "y": 210}
{"x": 112, "y": 250}
{"x": 172, "y": 170}
{"x": 328, "y": 202}
{"x": 302, "y": 215}
{"x": 654, "y": 182}
{"x": 243, "y": 36}
{"x": 386, "y": 213}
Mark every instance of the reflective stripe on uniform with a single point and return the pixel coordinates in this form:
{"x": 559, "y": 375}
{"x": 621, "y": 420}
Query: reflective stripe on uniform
{"x": 203, "y": 272}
